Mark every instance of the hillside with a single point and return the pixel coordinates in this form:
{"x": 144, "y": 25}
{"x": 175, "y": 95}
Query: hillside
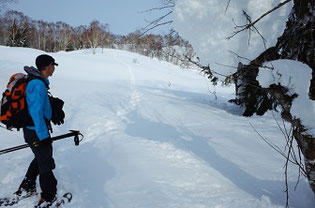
{"x": 155, "y": 137}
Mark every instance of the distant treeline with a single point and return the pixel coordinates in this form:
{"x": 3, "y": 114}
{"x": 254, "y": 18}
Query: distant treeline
{"x": 18, "y": 30}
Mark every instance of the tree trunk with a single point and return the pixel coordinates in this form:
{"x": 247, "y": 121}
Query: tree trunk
{"x": 297, "y": 43}
{"x": 307, "y": 145}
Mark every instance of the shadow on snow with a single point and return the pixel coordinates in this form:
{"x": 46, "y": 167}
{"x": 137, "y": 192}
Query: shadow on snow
{"x": 88, "y": 166}
{"x": 199, "y": 146}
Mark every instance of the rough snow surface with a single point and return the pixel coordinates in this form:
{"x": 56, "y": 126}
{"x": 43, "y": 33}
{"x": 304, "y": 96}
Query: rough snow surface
{"x": 154, "y": 138}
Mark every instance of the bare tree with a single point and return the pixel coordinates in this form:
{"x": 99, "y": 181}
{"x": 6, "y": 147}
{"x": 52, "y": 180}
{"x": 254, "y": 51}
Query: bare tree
{"x": 64, "y": 35}
{"x": 19, "y": 30}
{"x": 296, "y": 43}
{"x": 17, "y": 26}
{"x": 78, "y": 37}
{"x": 106, "y": 38}
{"x": 93, "y": 35}
{"x": 3, "y": 3}
{"x": 41, "y": 35}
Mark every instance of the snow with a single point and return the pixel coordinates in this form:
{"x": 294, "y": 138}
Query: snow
{"x": 207, "y": 25}
{"x": 154, "y": 137}
{"x": 296, "y": 77}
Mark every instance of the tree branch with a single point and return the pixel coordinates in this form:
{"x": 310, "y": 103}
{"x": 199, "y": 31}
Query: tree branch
{"x": 252, "y": 24}
{"x": 227, "y": 6}
{"x": 158, "y": 8}
{"x": 168, "y": 4}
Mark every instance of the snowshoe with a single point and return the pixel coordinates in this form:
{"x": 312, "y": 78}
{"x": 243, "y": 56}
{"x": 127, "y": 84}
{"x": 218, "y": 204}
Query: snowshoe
{"x": 56, "y": 202}
{"x": 17, "y": 196}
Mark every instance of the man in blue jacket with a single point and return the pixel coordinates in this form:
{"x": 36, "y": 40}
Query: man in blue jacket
{"x": 38, "y": 135}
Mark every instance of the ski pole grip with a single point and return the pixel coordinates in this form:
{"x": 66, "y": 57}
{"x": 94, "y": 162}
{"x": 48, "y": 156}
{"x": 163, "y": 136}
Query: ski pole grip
{"x": 76, "y": 140}
{"x": 76, "y": 137}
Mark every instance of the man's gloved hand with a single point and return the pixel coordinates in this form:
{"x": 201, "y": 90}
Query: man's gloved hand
{"x": 58, "y": 115}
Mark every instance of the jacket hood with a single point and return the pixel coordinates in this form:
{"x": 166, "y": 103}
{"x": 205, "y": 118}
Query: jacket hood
{"x": 32, "y": 71}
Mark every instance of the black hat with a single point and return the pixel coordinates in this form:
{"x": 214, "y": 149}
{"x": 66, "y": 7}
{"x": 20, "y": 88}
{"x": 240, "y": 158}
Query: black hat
{"x": 44, "y": 60}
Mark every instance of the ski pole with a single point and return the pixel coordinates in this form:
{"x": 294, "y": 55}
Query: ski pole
{"x": 74, "y": 133}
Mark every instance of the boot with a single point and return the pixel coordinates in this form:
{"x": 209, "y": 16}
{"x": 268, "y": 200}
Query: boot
{"x": 26, "y": 189}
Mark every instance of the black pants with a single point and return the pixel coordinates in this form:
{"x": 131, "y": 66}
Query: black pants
{"x": 42, "y": 164}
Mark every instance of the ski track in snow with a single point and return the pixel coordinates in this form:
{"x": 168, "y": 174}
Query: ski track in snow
{"x": 135, "y": 96}
{"x": 149, "y": 144}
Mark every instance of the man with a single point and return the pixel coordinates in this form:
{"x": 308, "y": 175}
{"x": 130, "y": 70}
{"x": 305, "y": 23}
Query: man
{"x": 38, "y": 135}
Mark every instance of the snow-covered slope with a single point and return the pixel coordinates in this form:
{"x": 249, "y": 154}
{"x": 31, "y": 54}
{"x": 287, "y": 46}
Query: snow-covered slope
{"x": 154, "y": 138}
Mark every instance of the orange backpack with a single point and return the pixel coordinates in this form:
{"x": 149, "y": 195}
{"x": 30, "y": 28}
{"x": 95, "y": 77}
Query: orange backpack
{"x": 13, "y": 106}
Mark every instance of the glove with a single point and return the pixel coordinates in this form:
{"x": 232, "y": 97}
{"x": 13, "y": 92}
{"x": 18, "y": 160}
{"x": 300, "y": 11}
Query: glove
{"x": 58, "y": 115}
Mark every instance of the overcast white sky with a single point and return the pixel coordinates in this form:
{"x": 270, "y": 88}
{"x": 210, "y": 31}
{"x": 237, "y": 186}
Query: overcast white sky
{"x": 123, "y": 16}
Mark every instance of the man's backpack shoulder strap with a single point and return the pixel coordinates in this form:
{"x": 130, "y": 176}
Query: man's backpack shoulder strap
{"x": 30, "y": 78}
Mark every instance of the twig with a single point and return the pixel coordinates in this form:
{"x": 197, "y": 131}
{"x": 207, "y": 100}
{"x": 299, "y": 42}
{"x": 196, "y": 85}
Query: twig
{"x": 247, "y": 26}
{"x": 286, "y": 171}
{"x": 157, "y": 8}
{"x": 277, "y": 149}
{"x": 228, "y": 66}
{"x": 213, "y": 93}
{"x": 241, "y": 57}
{"x": 288, "y": 137}
{"x": 217, "y": 73}
{"x": 270, "y": 11}
{"x": 252, "y": 24}
{"x": 290, "y": 153}
{"x": 273, "y": 146}
{"x": 205, "y": 68}
{"x": 156, "y": 23}
{"x": 227, "y": 6}
{"x": 238, "y": 56}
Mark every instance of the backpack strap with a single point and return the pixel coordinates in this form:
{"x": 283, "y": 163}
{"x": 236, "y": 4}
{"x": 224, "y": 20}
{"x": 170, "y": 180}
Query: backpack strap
{"x": 30, "y": 78}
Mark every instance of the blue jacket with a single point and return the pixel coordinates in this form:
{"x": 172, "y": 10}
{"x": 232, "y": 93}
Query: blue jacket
{"x": 38, "y": 103}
